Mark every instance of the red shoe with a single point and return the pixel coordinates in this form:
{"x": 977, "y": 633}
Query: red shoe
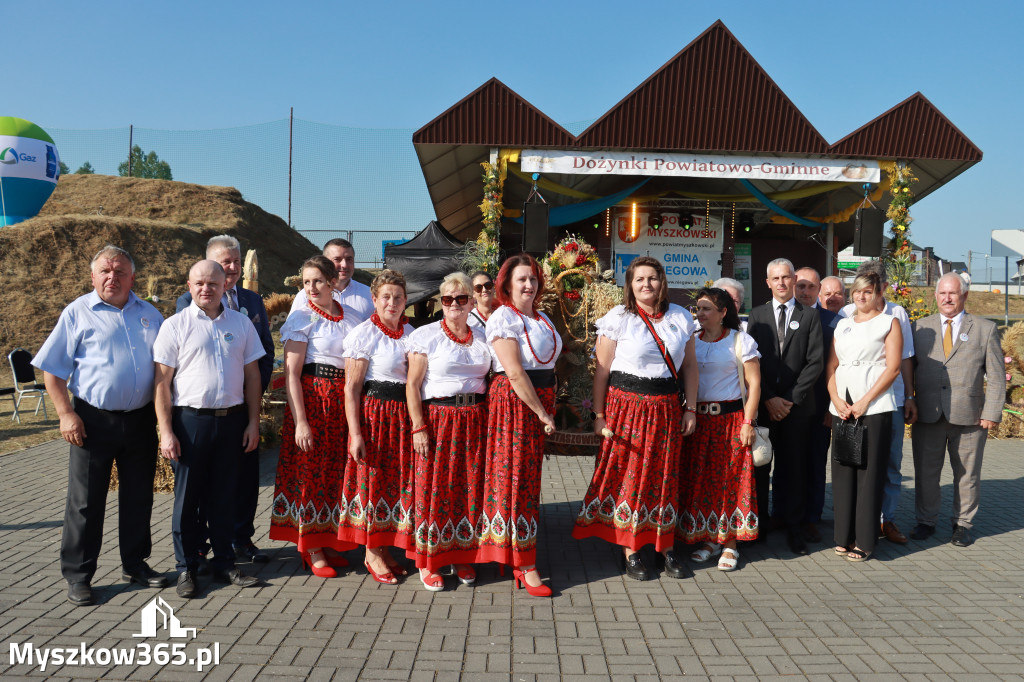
{"x": 395, "y": 567}
{"x": 335, "y": 560}
{"x": 387, "y": 578}
{"x": 432, "y": 581}
{"x": 309, "y": 561}
{"x": 464, "y": 572}
{"x": 520, "y": 580}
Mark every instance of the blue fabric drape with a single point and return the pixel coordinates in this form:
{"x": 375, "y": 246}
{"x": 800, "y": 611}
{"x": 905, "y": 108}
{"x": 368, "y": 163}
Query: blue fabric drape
{"x": 573, "y": 213}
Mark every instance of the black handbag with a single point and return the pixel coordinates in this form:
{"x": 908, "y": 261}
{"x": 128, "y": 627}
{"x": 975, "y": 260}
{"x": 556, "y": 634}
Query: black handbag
{"x": 849, "y": 442}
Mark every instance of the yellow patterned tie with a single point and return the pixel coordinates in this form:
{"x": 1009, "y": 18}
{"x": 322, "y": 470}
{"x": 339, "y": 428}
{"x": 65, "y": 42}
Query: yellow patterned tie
{"x": 947, "y": 338}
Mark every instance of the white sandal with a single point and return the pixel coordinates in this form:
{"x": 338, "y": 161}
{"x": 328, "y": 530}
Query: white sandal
{"x": 727, "y": 563}
{"x": 709, "y": 550}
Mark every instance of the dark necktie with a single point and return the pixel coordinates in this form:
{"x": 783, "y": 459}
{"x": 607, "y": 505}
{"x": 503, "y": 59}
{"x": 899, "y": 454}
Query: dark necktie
{"x": 782, "y": 324}
{"x": 232, "y": 301}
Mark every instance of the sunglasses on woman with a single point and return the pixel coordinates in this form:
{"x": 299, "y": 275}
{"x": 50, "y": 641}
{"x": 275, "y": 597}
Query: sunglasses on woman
{"x": 480, "y": 288}
{"x": 461, "y": 299}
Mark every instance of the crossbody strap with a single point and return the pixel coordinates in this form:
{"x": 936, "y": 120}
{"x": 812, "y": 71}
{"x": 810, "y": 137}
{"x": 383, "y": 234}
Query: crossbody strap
{"x": 739, "y": 367}
{"x": 661, "y": 347}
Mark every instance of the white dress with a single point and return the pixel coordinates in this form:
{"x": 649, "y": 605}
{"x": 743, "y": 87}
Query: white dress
{"x": 860, "y": 347}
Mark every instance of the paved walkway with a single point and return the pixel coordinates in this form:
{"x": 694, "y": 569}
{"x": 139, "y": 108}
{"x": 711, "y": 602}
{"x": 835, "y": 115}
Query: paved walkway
{"x": 926, "y": 611}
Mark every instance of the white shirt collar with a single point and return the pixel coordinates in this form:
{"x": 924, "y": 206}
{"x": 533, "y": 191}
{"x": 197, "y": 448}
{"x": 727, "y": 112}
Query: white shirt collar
{"x": 199, "y": 314}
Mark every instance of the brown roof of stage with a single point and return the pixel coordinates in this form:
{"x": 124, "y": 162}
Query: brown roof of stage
{"x": 713, "y": 95}
{"x": 494, "y": 115}
{"x": 913, "y": 129}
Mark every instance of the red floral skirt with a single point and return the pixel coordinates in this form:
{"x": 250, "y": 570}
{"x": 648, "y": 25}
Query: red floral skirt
{"x": 449, "y": 487}
{"x": 515, "y": 450}
{"x": 377, "y": 495}
{"x": 308, "y": 486}
{"x": 634, "y": 495}
{"x": 720, "y": 497}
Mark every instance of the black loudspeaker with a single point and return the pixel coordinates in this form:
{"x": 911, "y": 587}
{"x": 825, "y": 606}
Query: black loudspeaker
{"x": 535, "y": 228}
{"x": 867, "y": 232}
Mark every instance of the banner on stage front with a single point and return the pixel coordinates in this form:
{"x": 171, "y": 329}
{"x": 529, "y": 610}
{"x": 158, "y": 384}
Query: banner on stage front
{"x": 689, "y": 249}
{"x": 699, "y": 166}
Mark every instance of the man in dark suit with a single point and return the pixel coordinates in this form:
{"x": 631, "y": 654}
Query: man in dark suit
{"x": 808, "y": 286}
{"x": 225, "y": 249}
{"x": 789, "y": 338}
{"x": 960, "y": 385}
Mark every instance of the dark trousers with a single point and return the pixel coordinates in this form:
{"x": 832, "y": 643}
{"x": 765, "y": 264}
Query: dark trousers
{"x": 791, "y": 447}
{"x": 821, "y": 438}
{"x": 857, "y": 491}
{"x": 205, "y": 477}
{"x": 130, "y": 439}
{"x": 247, "y": 494}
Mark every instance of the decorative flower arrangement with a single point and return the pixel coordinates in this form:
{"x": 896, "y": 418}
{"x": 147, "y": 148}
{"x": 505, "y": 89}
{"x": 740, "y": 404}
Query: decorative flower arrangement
{"x": 482, "y": 254}
{"x": 898, "y": 264}
{"x": 572, "y": 253}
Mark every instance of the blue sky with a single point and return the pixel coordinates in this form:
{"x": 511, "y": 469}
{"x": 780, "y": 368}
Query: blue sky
{"x": 198, "y": 66}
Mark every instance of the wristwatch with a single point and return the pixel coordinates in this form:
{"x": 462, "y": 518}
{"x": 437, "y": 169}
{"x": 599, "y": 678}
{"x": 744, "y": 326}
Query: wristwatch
{"x": 750, "y": 422}
{"x": 596, "y": 415}
{"x": 909, "y": 397}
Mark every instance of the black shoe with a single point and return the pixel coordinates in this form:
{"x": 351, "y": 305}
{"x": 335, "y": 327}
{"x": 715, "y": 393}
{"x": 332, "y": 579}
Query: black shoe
{"x": 922, "y": 531}
{"x": 235, "y": 577}
{"x": 144, "y": 575}
{"x": 797, "y": 544}
{"x": 633, "y": 566}
{"x": 80, "y": 594}
{"x": 186, "y": 588}
{"x": 250, "y": 552}
{"x": 203, "y": 565}
{"x": 674, "y": 568}
{"x": 961, "y": 536}
{"x": 811, "y": 533}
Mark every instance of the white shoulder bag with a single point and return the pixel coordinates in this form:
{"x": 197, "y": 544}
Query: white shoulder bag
{"x": 762, "y": 447}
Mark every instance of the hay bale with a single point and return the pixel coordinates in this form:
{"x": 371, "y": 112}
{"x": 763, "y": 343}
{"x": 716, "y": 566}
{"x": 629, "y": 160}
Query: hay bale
{"x": 163, "y": 481}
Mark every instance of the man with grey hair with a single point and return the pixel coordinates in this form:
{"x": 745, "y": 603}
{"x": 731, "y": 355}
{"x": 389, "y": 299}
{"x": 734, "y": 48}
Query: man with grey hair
{"x": 832, "y": 295}
{"x": 960, "y": 383}
{"x": 735, "y": 290}
{"x": 227, "y": 252}
{"x": 788, "y": 336}
{"x": 906, "y": 408}
{"x": 102, "y": 351}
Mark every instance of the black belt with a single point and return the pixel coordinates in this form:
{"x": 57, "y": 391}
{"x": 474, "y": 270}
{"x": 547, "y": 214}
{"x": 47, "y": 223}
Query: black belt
{"x": 635, "y": 384}
{"x": 82, "y": 406}
{"x": 458, "y": 400}
{"x": 323, "y": 371}
{"x": 385, "y": 390}
{"x": 724, "y": 407}
{"x": 213, "y": 411}
{"x": 540, "y": 378}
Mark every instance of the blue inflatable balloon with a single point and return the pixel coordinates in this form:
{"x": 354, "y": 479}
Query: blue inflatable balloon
{"x": 29, "y": 168}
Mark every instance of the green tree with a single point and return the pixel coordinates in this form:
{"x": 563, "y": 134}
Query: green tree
{"x": 145, "y": 166}
{"x": 64, "y": 170}
{"x": 85, "y": 169}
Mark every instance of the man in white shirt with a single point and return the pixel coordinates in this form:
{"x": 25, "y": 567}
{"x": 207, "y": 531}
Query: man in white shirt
{"x": 207, "y": 394}
{"x": 906, "y": 408}
{"x": 348, "y": 292}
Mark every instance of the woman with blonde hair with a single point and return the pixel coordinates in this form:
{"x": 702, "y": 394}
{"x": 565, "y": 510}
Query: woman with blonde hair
{"x": 862, "y": 366}
{"x": 633, "y": 498}
{"x": 448, "y": 366}
{"x": 377, "y": 499}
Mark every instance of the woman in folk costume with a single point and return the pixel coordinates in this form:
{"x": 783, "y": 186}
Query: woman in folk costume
{"x": 447, "y": 397}
{"x": 525, "y": 346}
{"x": 633, "y": 499}
{"x": 377, "y": 497}
{"x": 311, "y": 464}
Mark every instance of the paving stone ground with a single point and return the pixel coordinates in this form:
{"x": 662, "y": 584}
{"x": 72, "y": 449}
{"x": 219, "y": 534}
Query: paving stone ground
{"x": 923, "y": 611}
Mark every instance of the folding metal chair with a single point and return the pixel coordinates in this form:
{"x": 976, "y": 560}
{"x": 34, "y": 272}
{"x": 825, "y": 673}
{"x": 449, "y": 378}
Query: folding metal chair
{"x": 25, "y": 381}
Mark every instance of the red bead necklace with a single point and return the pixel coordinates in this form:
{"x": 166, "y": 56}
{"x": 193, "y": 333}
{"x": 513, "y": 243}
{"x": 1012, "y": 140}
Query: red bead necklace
{"x": 650, "y": 316}
{"x": 333, "y": 318}
{"x": 393, "y": 333}
{"x": 725, "y": 332}
{"x": 448, "y": 332}
{"x": 537, "y": 316}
